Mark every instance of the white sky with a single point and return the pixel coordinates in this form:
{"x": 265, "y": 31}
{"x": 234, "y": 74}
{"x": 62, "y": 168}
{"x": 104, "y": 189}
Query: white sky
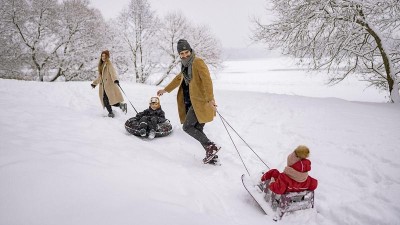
{"x": 229, "y": 20}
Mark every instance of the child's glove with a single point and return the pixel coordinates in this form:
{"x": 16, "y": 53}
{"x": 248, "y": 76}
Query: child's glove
{"x": 264, "y": 177}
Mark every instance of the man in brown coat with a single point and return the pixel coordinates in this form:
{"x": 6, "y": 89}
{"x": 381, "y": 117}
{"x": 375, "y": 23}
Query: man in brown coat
{"x": 196, "y": 104}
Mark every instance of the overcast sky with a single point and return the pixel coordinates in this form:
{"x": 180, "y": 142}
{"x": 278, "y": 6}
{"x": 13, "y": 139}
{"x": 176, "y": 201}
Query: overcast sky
{"x": 229, "y": 20}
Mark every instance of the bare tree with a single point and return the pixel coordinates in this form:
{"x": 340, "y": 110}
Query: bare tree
{"x": 53, "y": 40}
{"x": 80, "y": 30}
{"x": 206, "y": 45}
{"x": 43, "y": 39}
{"x": 33, "y": 23}
{"x": 176, "y": 26}
{"x": 11, "y": 58}
{"x": 118, "y": 46}
{"x": 138, "y": 25}
{"x": 343, "y": 36}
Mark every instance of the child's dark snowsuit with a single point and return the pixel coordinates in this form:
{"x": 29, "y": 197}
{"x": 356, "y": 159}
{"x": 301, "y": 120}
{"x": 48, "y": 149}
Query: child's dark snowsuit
{"x": 149, "y": 118}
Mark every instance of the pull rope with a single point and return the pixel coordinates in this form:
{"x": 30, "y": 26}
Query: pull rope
{"x": 222, "y": 120}
{"x": 127, "y": 98}
{"x": 225, "y": 121}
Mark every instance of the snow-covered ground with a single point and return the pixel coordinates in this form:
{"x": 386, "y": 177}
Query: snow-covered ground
{"x": 280, "y": 75}
{"x": 62, "y": 161}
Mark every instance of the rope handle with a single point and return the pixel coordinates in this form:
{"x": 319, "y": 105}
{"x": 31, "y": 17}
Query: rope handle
{"x": 224, "y": 121}
{"x": 127, "y": 98}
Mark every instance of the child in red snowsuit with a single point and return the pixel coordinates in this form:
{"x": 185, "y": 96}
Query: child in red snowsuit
{"x": 295, "y": 177}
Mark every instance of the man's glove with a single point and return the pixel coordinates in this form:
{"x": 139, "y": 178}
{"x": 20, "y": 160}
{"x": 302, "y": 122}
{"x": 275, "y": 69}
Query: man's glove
{"x": 116, "y": 82}
{"x": 93, "y": 86}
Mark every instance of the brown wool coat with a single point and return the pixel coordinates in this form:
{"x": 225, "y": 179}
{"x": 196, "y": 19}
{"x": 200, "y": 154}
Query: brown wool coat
{"x": 106, "y": 81}
{"x": 200, "y": 91}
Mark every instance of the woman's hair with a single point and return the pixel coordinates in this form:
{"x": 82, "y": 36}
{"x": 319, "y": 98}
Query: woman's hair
{"x": 100, "y": 66}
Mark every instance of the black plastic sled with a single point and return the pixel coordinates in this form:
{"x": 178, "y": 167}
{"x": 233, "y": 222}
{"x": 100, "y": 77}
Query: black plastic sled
{"x": 163, "y": 129}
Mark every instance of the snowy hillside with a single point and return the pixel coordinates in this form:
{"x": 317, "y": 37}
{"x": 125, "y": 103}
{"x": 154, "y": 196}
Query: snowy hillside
{"x": 62, "y": 161}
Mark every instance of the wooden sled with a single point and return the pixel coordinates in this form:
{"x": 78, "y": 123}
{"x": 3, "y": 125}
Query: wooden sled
{"x": 288, "y": 202}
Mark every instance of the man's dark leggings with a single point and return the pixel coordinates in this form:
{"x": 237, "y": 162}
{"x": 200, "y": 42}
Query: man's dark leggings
{"x": 194, "y": 128}
{"x": 107, "y": 103}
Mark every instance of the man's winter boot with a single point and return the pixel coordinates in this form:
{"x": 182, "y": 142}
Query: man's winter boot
{"x": 211, "y": 150}
{"x": 142, "y": 132}
{"x": 152, "y": 134}
{"x": 214, "y": 160}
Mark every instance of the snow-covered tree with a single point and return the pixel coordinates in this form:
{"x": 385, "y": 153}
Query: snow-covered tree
{"x": 206, "y": 45}
{"x": 45, "y": 40}
{"x": 138, "y": 26}
{"x": 121, "y": 55}
{"x": 62, "y": 40}
{"x": 344, "y": 36}
{"x": 11, "y": 57}
{"x": 176, "y": 26}
{"x": 31, "y": 25}
{"x": 80, "y": 32}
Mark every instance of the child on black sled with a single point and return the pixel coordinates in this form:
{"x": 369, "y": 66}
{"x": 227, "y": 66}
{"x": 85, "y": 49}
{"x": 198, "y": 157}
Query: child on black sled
{"x": 149, "y": 118}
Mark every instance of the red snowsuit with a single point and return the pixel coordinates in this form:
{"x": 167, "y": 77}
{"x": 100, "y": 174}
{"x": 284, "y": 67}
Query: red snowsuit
{"x": 283, "y": 183}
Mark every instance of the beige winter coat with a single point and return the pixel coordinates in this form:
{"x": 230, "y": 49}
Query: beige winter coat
{"x": 106, "y": 81}
{"x": 200, "y": 91}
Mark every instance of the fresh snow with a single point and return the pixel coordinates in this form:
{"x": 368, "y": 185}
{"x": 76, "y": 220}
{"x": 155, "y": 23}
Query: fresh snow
{"x": 64, "y": 162}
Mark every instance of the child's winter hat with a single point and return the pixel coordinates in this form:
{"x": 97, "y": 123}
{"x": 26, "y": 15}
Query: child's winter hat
{"x": 302, "y": 151}
{"x": 154, "y": 100}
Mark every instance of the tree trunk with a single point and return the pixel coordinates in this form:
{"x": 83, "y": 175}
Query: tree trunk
{"x": 171, "y": 66}
{"x": 40, "y": 75}
{"x": 392, "y": 82}
{"x": 135, "y": 68}
{"x": 57, "y": 75}
{"x": 164, "y": 76}
{"x": 390, "y": 77}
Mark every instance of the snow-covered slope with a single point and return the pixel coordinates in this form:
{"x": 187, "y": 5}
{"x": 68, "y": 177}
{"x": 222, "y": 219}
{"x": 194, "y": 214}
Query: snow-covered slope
{"x": 62, "y": 161}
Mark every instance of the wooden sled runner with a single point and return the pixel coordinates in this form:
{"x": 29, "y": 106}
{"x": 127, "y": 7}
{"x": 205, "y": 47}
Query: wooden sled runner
{"x": 277, "y": 205}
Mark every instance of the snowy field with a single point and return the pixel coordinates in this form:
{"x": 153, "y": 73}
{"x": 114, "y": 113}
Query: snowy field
{"x": 63, "y": 162}
{"x": 280, "y": 75}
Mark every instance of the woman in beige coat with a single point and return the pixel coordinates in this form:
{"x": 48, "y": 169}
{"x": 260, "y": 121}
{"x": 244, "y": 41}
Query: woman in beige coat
{"x": 196, "y": 104}
{"x": 109, "y": 93}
